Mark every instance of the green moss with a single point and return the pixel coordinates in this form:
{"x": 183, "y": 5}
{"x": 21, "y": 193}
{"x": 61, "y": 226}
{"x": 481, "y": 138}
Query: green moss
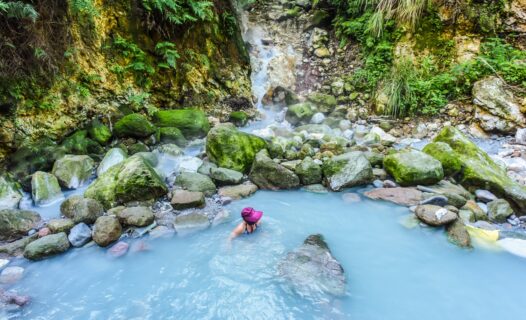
{"x": 324, "y": 102}
{"x": 99, "y": 132}
{"x": 193, "y": 123}
{"x": 412, "y": 167}
{"x": 239, "y": 118}
{"x": 443, "y": 153}
{"x": 79, "y": 143}
{"x": 172, "y": 135}
{"x": 34, "y": 156}
{"x": 300, "y": 113}
{"x": 134, "y": 125}
{"x": 137, "y": 147}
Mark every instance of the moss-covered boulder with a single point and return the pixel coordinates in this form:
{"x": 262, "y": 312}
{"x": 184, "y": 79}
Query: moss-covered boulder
{"x": 267, "y": 174}
{"x": 137, "y": 147}
{"x": 99, "y": 132}
{"x": 81, "y": 209}
{"x": 193, "y": 123}
{"x": 45, "y": 188}
{"x": 196, "y": 182}
{"x": 412, "y": 167}
{"x": 223, "y": 176}
{"x": 34, "y": 156}
{"x": 10, "y": 193}
{"x": 232, "y": 149}
{"x": 134, "y": 125}
{"x": 136, "y": 216}
{"x": 479, "y": 171}
{"x": 113, "y": 157}
{"x": 458, "y": 234}
{"x": 238, "y": 118}
{"x": 132, "y": 180}
{"x": 72, "y": 171}
{"x": 47, "y": 246}
{"x": 15, "y": 224}
{"x": 309, "y": 171}
{"x": 324, "y": 102}
{"x": 300, "y": 113}
{"x": 173, "y": 135}
{"x": 443, "y": 153}
{"x": 79, "y": 143}
{"x": 347, "y": 170}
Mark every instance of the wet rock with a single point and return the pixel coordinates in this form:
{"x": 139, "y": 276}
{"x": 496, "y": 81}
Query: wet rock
{"x": 514, "y": 246}
{"x": 79, "y": 235}
{"x": 347, "y": 170}
{"x": 72, "y": 171}
{"x": 16, "y": 223}
{"x": 301, "y": 113}
{"x": 317, "y": 118}
{"x": 134, "y": 125}
{"x": 311, "y": 268}
{"x": 520, "y": 136}
{"x": 11, "y": 275}
{"x": 106, "y": 230}
{"x": 309, "y": 171}
{"x": 82, "y": 209}
{"x": 47, "y": 246}
{"x": 148, "y": 157}
{"x": 440, "y": 201}
{"x": 10, "y": 194}
{"x": 385, "y": 138}
{"x": 206, "y": 167}
{"x": 499, "y": 210}
{"x": 113, "y": 157}
{"x": 136, "y": 216}
{"x": 99, "y": 132}
{"x": 173, "y": 135}
{"x": 3, "y": 263}
{"x": 412, "y": 167}
{"x": 457, "y": 234}
{"x": 9, "y": 297}
{"x": 223, "y": 176}
{"x": 171, "y": 150}
{"x": 238, "y": 118}
{"x": 485, "y": 196}
{"x": 455, "y": 194}
{"x": 442, "y": 152}
{"x": 351, "y": 197}
{"x": 16, "y": 248}
{"x": 190, "y": 164}
{"x": 434, "y": 215}
{"x": 190, "y": 222}
{"x": 45, "y": 188}
{"x": 237, "y": 192}
{"x": 232, "y": 149}
{"x": 79, "y": 143}
{"x": 43, "y": 232}
{"x": 161, "y": 232}
{"x": 390, "y": 184}
{"x": 196, "y": 182}
{"x": 183, "y": 199}
{"x": 132, "y": 180}
{"x": 118, "y": 250}
{"x": 378, "y": 183}
{"x": 402, "y": 196}
{"x": 267, "y": 174}
{"x": 193, "y": 123}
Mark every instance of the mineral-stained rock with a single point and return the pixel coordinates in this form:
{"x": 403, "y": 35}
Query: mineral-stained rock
{"x": 402, "y": 196}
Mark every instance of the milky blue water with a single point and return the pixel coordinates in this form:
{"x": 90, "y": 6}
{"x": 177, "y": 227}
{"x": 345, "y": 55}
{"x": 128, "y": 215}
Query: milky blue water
{"x": 392, "y": 272}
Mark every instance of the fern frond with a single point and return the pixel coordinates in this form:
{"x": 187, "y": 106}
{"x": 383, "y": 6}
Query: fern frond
{"x": 18, "y": 10}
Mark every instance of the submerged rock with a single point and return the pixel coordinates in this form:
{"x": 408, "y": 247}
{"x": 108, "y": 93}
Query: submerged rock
{"x": 119, "y": 249}
{"x": 113, "y": 157}
{"x": 190, "y": 222}
{"x": 15, "y": 224}
{"x": 232, "y": 149}
{"x": 79, "y": 235}
{"x": 311, "y": 268}
{"x": 193, "y": 123}
{"x": 458, "y": 234}
{"x": 136, "y": 216}
{"x": 106, "y": 230}
{"x": 45, "y": 188}
{"x": 402, "y": 196}
{"x": 72, "y": 171}
{"x": 134, "y": 125}
{"x": 47, "y": 246}
{"x": 499, "y": 210}
{"x": 237, "y": 192}
{"x": 11, "y": 275}
{"x": 183, "y": 199}
{"x": 347, "y": 170}
{"x": 10, "y": 194}
{"x": 434, "y": 215}
{"x": 413, "y": 167}
{"x": 223, "y": 176}
{"x": 267, "y": 174}
{"x": 196, "y": 182}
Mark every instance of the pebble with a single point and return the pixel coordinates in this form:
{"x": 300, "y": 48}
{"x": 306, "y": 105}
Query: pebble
{"x": 389, "y": 184}
{"x": 436, "y": 200}
{"x": 44, "y": 232}
{"x": 79, "y": 235}
{"x": 378, "y": 184}
{"x": 119, "y": 249}
{"x": 483, "y": 206}
{"x": 11, "y": 275}
{"x": 485, "y": 196}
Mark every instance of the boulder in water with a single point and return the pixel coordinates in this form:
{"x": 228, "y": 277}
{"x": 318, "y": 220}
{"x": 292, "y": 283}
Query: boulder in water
{"x": 72, "y": 171}
{"x": 434, "y": 215}
{"x": 499, "y": 210}
{"x": 232, "y": 149}
{"x": 300, "y": 113}
{"x": 45, "y": 188}
{"x": 183, "y": 199}
{"x": 119, "y": 249}
{"x": 15, "y": 224}
{"x": 195, "y": 182}
{"x": 193, "y": 123}
{"x": 60, "y": 225}
{"x": 347, "y": 170}
{"x": 413, "y": 167}
{"x": 79, "y": 235}
{"x": 402, "y": 196}
{"x": 10, "y": 194}
{"x": 82, "y": 209}
{"x": 190, "y": 222}
{"x": 309, "y": 171}
{"x": 11, "y": 275}
{"x": 173, "y": 135}
{"x": 106, "y": 230}
{"x": 443, "y": 153}
{"x": 237, "y": 192}
{"x": 267, "y": 174}
{"x": 136, "y": 216}
{"x": 458, "y": 234}
{"x": 311, "y": 268}
{"x": 134, "y": 125}
{"x": 223, "y": 176}
{"x": 47, "y": 246}
{"x": 113, "y": 157}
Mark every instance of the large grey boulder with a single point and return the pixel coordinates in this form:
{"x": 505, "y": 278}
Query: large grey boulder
{"x": 195, "y": 182}
{"x": 238, "y": 192}
{"x": 45, "y": 188}
{"x": 412, "y": 167}
{"x": 10, "y": 194}
{"x": 347, "y": 170}
{"x": 82, "y": 209}
{"x": 136, "y": 216}
{"x": 47, "y": 246}
{"x": 72, "y": 171}
{"x": 311, "y": 268}
{"x": 267, "y": 174}
{"x": 223, "y": 176}
{"x": 113, "y": 157}
{"x": 15, "y": 224}
{"x": 106, "y": 230}
{"x": 183, "y": 199}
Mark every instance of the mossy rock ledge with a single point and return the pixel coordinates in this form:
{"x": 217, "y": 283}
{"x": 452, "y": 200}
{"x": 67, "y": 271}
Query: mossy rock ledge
{"x": 412, "y": 167}
{"x": 193, "y": 123}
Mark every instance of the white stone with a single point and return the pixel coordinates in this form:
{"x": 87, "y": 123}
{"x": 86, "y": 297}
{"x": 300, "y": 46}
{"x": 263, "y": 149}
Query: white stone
{"x": 384, "y": 136}
{"x": 189, "y": 164}
{"x": 317, "y": 118}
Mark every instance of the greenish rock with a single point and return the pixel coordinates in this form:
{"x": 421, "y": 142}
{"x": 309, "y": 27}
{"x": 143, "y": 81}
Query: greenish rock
{"x": 499, "y": 210}
{"x": 413, "y": 167}
{"x": 375, "y": 158}
{"x": 309, "y": 172}
{"x": 72, "y": 171}
{"x": 316, "y": 188}
{"x": 171, "y": 150}
{"x": 206, "y": 167}
{"x": 183, "y": 199}
{"x": 300, "y": 113}
{"x": 443, "y": 153}
{"x": 15, "y": 224}
{"x": 60, "y": 225}
{"x": 314, "y": 128}
{"x": 113, "y": 157}
{"x": 45, "y": 188}
{"x": 223, "y": 176}
{"x": 475, "y": 212}
{"x": 10, "y": 193}
{"x": 232, "y": 149}
{"x": 457, "y": 234}
{"x": 16, "y": 248}
{"x": 99, "y": 132}
{"x": 456, "y": 194}
{"x": 106, "y": 230}
{"x": 291, "y": 165}
{"x": 137, "y": 147}
{"x": 370, "y": 139}
{"x": 238, "y": 118}
{"x": 134, "y": 125}
{"x": 81, "y": 209}
{"x": 79, "y": 143}
{"x": 324, "y": 102}
{"x": 173, "y": 135}
{"x": 347, "y": 170}
{"x": 267, "y": 174}
{"x": 306, "y": 151}
{"x": 237, "y": 192}
{"x": 149, "y": 157}
{"x": 132, "y": 180}
{"x": 34, "y": 156}
{"x": 47, "y": 246}
{"x": 193, "y": 123}
{"x": 136, "y": 216}
{"x": 196, "y": 182}
{"x": 480, "y": 171}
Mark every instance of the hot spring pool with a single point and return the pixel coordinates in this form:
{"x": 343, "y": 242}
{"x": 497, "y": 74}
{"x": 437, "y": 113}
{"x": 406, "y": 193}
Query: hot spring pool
{"x": 392, "y": 272}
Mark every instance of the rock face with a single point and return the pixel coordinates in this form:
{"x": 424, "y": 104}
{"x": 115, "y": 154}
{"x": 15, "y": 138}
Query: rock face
{"x": 412, "y": 167}
{"x": 136, "y": 216}
{"x": 10, "y": 194}
{"x": 223, "y": 176}
{"x": 347, "y": 170}
{"x": 312, "y": 268}
{"x": 193, "y": 123}
{"x": 196, "y": 182}
{"x": 82, "y": 209}
{"x": 183, "y": 199}
{"x": 499, "y": 210}
{"x": 132, "y": 180}
{"x": 16, "y": 223}
{"x": 309, "y": 171}
{"x": 79, "y": 235}
{"x": 134, "y": 125}
{"x": 434, "y": 215}
{"x": 72, "y": 171}
{"x": 402, "y": 196}
{"x": 106, "y": 230}
{"x": 47, "y": 246}
{"x": 45, "y": 188}
{"x": 497, "y": 109}
{"x": 232, "y": 149}
{"x": 479, "y": 169}
{"x": 267, "y": 174}
{"x": 240, "y": 191}
{"x": 113, "y": 156}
